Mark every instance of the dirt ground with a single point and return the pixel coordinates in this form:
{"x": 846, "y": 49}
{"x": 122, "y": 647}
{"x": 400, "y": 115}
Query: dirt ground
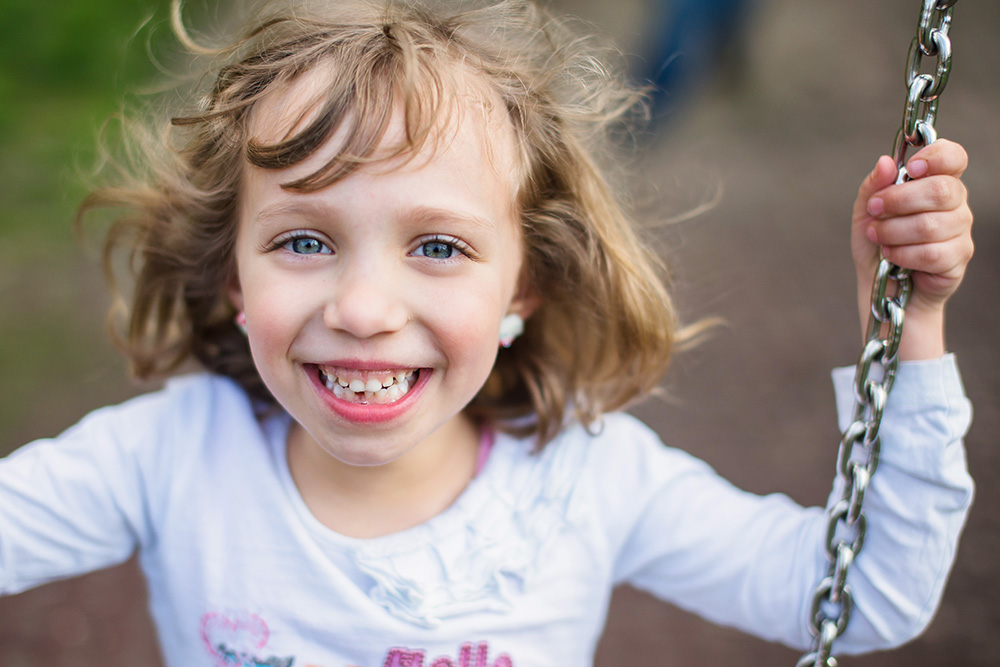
{"x": 786, "y": 137}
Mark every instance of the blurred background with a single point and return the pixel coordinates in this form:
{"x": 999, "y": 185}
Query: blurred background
{"x": 773, "y": 109}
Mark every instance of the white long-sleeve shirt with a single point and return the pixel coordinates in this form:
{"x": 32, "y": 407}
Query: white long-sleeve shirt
{"x": 516, "y": 573}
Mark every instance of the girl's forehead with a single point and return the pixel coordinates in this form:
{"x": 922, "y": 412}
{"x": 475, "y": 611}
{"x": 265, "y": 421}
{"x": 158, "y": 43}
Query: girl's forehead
{"x": 464, "y": 169}
{"x": 290, "y": 106}
{"x": 469, "y": 112}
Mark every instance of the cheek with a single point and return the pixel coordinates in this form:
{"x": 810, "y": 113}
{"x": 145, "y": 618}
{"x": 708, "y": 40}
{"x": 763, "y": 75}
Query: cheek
{"x": 467, "y": 330}
{"x": 473, "y": 340}
{"x": 274, "y": 318}
{"x": 467, "y": 317}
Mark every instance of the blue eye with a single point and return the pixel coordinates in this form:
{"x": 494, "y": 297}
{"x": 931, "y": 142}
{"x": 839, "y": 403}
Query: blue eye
{"x": 306, "y": 245}
{"x": 443, "y": 248}
{"x": 437, "y": 250}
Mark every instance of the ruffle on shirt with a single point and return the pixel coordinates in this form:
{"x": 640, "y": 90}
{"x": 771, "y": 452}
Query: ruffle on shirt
{"x": 483, "y": 550}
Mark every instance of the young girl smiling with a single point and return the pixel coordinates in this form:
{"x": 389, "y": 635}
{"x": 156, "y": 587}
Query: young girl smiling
{"x": 383, "y": 232}
{"x": 372, "y": 305}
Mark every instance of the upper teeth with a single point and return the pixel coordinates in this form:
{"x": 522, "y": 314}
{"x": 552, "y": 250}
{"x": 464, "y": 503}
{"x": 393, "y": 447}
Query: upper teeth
{"x": 360, "y": 385}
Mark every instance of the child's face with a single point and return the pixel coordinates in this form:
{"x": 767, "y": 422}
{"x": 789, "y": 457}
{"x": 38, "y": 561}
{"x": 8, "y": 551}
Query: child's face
{"x": 396, "y": 276}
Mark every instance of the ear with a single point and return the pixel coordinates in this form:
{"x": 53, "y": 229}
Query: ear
{"x": 525, "y": 303}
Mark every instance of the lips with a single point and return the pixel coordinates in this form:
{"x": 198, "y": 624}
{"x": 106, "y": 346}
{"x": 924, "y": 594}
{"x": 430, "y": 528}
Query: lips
{"x": 368, "y": 396}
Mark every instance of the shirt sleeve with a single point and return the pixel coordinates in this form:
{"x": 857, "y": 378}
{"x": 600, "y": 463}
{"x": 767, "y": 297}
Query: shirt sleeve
{"x": 80, "y": 501}
{"x": 752, "y": 562}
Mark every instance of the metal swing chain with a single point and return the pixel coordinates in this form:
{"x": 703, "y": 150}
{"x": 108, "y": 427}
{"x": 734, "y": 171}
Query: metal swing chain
{"x": 858, "y": 455}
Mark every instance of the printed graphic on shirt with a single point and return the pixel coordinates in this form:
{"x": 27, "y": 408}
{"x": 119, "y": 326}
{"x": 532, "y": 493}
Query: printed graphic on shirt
{"x": 238, "y": 641}
{"x": 403, "y": 657}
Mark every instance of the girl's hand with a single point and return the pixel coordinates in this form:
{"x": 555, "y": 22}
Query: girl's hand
{"x": 924, "y": 225}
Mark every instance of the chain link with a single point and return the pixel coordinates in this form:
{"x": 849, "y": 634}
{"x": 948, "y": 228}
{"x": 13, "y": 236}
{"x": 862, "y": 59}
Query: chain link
{"x": 858, "y": 456}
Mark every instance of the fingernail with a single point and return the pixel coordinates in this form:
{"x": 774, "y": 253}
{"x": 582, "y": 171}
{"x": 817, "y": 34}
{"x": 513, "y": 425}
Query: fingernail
{"x": 870, "y": 233}
{"x": 917, "y": 168}
{"x": 875, "y": 206}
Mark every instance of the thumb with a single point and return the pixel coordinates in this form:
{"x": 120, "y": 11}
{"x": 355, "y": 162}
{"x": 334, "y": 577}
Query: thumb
{"x": 865, "y": 252}
{"x": 882, "y": 176}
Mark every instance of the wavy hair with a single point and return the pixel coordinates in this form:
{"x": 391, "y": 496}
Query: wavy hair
{"x": 603, "y": 333}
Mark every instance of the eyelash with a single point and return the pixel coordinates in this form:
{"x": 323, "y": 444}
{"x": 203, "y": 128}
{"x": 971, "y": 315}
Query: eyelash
{"x": 285, "y": 240}
{"x": 455, "y": 244}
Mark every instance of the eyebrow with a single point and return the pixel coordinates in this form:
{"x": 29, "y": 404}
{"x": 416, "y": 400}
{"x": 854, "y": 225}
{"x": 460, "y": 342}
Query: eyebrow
{"x": 434, "y": 214}
{"x": 291, "y": 207}
{"x": 418, "y": 214}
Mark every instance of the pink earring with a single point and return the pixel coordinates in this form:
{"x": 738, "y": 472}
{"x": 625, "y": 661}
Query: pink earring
{"x": 511, "y": 327}
{"x": 241, "y": 322}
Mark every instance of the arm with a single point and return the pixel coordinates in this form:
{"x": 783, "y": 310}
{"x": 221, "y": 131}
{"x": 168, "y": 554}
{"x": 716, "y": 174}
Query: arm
{"x": 78, "y": 502}
{"x": 64, "y": 508}
{"x": 753, "y": 562}
{"x": 924, "y": 225}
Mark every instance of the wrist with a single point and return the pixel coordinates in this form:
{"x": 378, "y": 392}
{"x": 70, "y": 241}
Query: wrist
{"x": 923, "y": 335}
{"x": 923, "y": 328}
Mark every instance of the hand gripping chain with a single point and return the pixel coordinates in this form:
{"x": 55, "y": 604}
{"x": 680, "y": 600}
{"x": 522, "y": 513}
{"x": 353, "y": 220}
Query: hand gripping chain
{"x": 858, "y": 456}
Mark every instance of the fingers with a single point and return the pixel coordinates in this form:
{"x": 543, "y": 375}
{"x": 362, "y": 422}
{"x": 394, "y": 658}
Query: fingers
{"x": 945, "y": 259}
{"x": 922, "y": 227}
{"x": 932, "y": 240}
{"x": 943, "y": 157}
{"x": 929, "y": 193}
{"x": 936, "y": 186}
{"x": 881, "y": 177}
{"x": 925, "y": 224}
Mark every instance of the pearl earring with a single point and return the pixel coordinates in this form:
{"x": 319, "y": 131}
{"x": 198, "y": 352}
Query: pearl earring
{"x": 241, "y": 322}
{"x": 511, "y": 327}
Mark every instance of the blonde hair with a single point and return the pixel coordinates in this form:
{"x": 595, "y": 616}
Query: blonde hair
{"x": 603, "y": 333}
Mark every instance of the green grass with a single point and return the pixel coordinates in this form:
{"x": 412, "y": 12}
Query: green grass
{"x": 64, "y": 69}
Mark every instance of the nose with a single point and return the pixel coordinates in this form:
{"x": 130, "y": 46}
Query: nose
{"x": 366, "y": 301}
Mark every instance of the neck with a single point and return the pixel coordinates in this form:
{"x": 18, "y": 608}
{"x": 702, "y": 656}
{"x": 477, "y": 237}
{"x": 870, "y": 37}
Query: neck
{"x": 370, "y": 501}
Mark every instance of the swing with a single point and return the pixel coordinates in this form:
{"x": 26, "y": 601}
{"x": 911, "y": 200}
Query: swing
{"x": 858, "y": 454}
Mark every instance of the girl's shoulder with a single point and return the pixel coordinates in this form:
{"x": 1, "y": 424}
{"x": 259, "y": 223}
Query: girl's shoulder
{"x": 196, "y": 398}
{"x": 181, "y": 419}
{"x": 619, "y": 463}
{"x": 621, "y": 445}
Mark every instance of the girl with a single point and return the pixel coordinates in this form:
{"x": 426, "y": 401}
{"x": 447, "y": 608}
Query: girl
{"x": 383, "y": 232}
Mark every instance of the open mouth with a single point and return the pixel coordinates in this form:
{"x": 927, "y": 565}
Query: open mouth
{"x": 369, "y": 387}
